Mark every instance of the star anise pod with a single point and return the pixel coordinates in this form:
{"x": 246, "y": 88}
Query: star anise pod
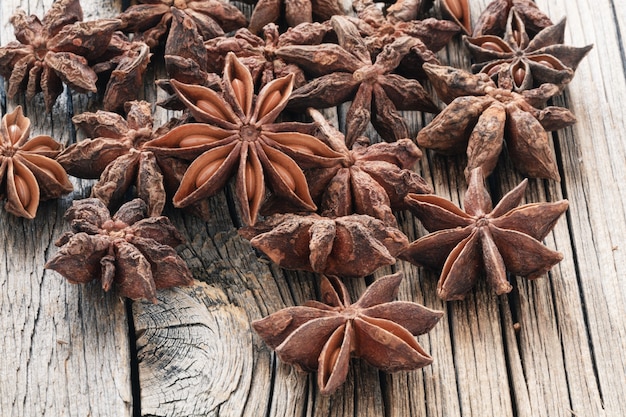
{"x": 492, "y": 21}
{"x": 116, "y": 154}
{"x": 481, "y": 116}
{"x": 238, "y": 133}
{"x": 134, "y": 252}
{"x": 293, "y": 12}
{"x": 54, "y": 51}
{"x": 346, "y": 72}
{"x": 349, "y": 246}
{"x": 458, "y": 11}
{"x": 258, "y": 53}
{"x": 151, "y": 18}
{"x": 28, "y": 171}
{"x": 516, "y": 60}
{"x": 372, "y": 179}
{"x": 323, "y": 336}
{"x": 481, "y": 239}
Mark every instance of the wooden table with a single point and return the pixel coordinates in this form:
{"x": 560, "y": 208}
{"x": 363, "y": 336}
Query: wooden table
{"x": 553, "y": 347}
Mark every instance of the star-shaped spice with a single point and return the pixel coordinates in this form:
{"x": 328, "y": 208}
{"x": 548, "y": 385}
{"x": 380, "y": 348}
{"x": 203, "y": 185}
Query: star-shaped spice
{"x": 151, "y": 18}
{"x": 323, "y": 336}
{"x": 479, "y": 239}
{"x": 294, "y": 12}
{"x": 239, "y": 135}
{"x": 347, "y": 246}
{"x": 134, "y": 252}
{"x": 28, "y": 171}
{"x": 116, "y": 155}
{"x": 372, "y": 179}
{"x": 516, "y": 60}
{"x": 54, "y": 50}
{"x": 492, "y": 21}
{"x": 481, "y": 116}
{"x": 346, "y": 72}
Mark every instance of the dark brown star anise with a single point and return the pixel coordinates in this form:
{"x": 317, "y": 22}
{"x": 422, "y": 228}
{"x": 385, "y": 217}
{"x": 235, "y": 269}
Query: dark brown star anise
{"x": 372, "y": 179}
{"x": 481, "y": 116}
{"x": 54, "y": 51}
{"x": 28, "y": 172}
{"x": 151, "y": 18}
{"x": 134, "y": 252}
{"x": 323, "y": 336}
{"x": 116, "y": 155}
{"x": 519, "y": 62}
{"x": 481, "y": 239}
{"x": 346, "y": 72}
{"x": 241, "y": 137}
{"x": 293, "y": 11}
{"x": 492, "y": 21}
{"x": 350, "y": 246}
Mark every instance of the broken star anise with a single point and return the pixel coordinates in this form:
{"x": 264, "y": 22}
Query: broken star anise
{"x": 481, "y": 239}
{"x": 134, "y": 252}
{"x": 516, "y": 60}
{"x": 346, "y": 72}
{"x": 372, "y": 180}
{"x": 28, "y": 171}
{"x": 323, "y": 336}
{"x": 151, "y": 18}
{"x": 54, "y": 51}
{"x": 238, "y": 134}
{"x": 492, "y": 21}
{"x": 349, "y": 246}
{"x": 481, "y": 116}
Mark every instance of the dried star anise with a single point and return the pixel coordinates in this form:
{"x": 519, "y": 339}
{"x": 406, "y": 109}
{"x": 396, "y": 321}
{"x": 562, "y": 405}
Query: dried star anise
{"x": 116, "y": 155}
{"x": 348, "y": 246}
{"x": 481, "y": 116}
{"x": 295, "y": 12}
{"x": 54, "y": 51}
{"x": 347, "y": 73}
{"x": 28, "y": 172}
{"x": 241, "y": 137}
{"x": 517, "y": 61}
{"x": 492, "y": 21}
{"x": 323, "y": 336}
{"x": 151, "y": 18}
{"x": 481, "y": 239}
{"x": 458, "y": 11}
{"x": 372, "y": 179}
{"x": 134, "y": 252}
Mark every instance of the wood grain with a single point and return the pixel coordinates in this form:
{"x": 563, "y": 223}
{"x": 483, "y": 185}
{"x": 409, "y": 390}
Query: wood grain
{"x": 553, "y": 347}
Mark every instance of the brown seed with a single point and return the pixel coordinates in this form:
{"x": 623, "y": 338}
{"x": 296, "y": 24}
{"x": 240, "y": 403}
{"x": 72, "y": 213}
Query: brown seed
{"x": 210, "y": 108}
{"x": 240, "y": 92}
{"x": 330, "y": 364}
{"x": 14, "y": 133}
{"x": 249, "y": 182}
{"x": 286, "y": 176}
{"x": 546, "y": 63}
{"x": 455, "y": 8}
{"x": 23, "y": 192}
{"x": 270, "y": 102}
{"x": 195, "y": 140}
{"x": 517, "y": 35}
{"x": 518, "y": 76}
{"x": 207, "y": 172}
{"x": 493, "y": 70}
{"x": 491, "y": 46}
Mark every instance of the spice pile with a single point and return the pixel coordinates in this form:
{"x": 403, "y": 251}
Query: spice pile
{"x": 311, "y": 198}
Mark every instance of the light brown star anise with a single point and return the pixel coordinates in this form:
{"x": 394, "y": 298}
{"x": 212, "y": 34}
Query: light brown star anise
{"x": 116, "y": 155}
{"x": 238, "y": 134}
{"x": 349, "y": 246}
{"x": 492, "y": 21}
{"x": 134, "y": 252}
{"x": 346, "y": 72}
{"x": 151, "y": 19}
{"x": 521, "y": 63}
{"x": 372, "y": 180}
{"x": 294, "y": 12}
{"x": 480, "y": 117}
{"x": 28, "y": 171}
{"x": 323, "y": 336}
{"x": 54, "y": 51}
{"x": 480, "y": 239}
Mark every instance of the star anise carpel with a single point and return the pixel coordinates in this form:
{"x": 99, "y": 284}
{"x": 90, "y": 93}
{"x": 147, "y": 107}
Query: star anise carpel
{"x": 492, "y": 21}
{"x": 291, "y": 12}
{"x": 483, "y": 240}
{"x": 348, "y": 72}
{"x": 238, "y": 134}
{"x": 480, "y": 117}
{"x": 28, "y": 172}
{"x": 523, "y": 63}
{"x": 129, "y": 250}
{"x": 55, "y": 50}
{"x": 323, "y": 336}
{"x": 458, "y": 11}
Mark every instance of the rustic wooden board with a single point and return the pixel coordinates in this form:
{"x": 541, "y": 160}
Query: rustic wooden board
{"x": 68, "y": 349}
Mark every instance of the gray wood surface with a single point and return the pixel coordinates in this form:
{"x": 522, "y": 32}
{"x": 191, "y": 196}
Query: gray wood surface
{"x": 554, "y": 347}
